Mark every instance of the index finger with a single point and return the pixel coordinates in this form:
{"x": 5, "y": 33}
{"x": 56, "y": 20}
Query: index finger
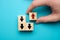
{"x": 30, "y": 8}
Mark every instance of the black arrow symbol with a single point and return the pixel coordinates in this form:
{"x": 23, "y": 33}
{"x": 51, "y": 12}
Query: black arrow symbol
{"x": 29, "y": 26}
{"x": 21, "y": 19}
{"x": 21, "y": 26}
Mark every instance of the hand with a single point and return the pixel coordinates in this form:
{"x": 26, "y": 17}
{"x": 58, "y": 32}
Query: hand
{"x": 54, "y": 4}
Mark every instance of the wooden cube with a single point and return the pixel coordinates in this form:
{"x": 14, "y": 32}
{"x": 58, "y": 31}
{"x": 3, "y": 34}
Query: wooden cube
{"x": 29, "y": 26}
{"x": 32, "y": 15}
{"x": 21, "y": 18}
{"x": 22, "y": 26}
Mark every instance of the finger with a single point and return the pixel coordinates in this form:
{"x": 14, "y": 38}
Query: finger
{"x": 36, "y": 3}
{"x": 50, "y": 18}
{"x": 32, "y": 6}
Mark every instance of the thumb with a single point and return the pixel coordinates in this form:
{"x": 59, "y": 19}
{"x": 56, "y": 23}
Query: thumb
{"x": 50, "y": 18}
{"x": 36, "y": 3}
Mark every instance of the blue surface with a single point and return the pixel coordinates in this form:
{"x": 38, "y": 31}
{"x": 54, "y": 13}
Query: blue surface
{"x": 10, "y": 9}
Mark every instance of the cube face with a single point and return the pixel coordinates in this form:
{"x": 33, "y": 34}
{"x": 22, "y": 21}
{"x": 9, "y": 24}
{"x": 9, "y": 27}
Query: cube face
{"x": 33, "y": 16}
{"x": 30, "y": 26}
{"x": 21, "y": 19}
{"x": 21, "y": 26}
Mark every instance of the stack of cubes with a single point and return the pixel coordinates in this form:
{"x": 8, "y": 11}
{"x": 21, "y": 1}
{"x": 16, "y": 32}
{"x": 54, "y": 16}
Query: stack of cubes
{"x": 23, "y": 25}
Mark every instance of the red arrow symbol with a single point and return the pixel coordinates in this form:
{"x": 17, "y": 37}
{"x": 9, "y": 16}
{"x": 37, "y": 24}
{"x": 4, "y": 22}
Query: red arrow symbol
{"x": 32, "y": 16}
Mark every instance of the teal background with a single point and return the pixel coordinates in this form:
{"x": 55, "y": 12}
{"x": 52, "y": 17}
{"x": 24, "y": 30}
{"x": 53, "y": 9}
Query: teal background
{"x": 10, "y": 9}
